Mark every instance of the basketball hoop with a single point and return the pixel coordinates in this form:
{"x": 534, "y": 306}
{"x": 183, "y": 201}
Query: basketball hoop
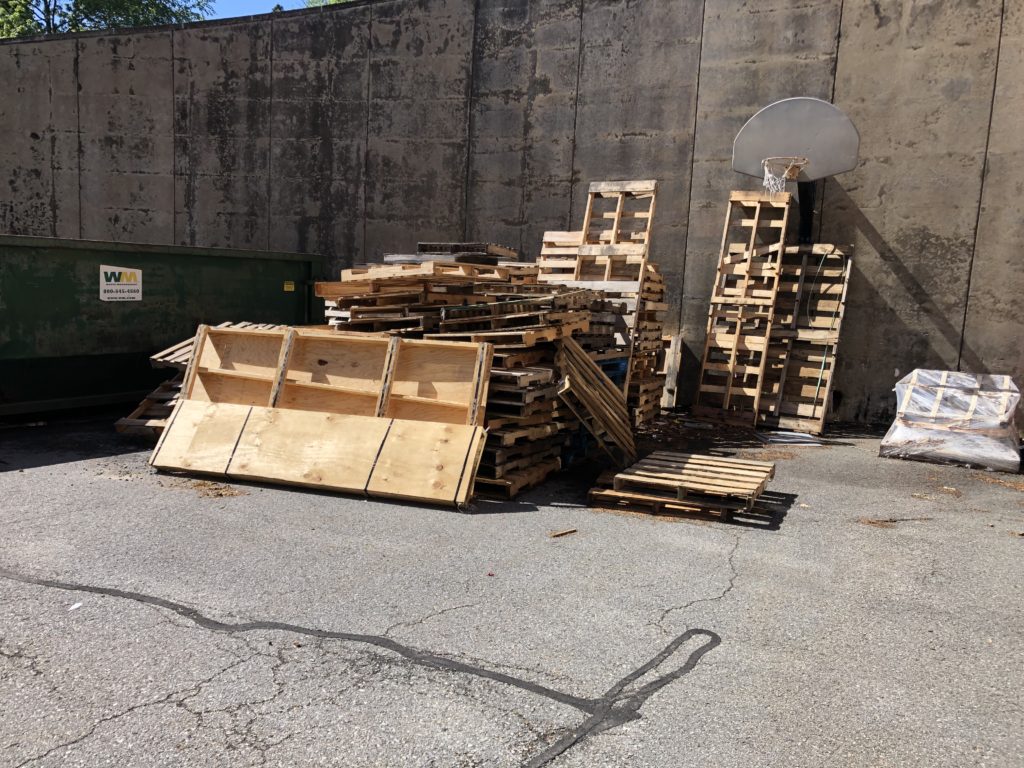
{"x": 779, "y": 170}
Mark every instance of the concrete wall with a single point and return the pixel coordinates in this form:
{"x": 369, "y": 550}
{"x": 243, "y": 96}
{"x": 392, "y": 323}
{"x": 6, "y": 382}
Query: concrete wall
{"x": 358, "y": 129}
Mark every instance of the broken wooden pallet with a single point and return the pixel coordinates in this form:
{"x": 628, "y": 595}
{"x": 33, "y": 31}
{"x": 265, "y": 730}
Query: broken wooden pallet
{"x": 596, "y": 402}
{"x": 151, "y": 415}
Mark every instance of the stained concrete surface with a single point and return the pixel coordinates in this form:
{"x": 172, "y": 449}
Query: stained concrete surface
{"x": 356, "y": 129}
{"x": 147, "y": 619}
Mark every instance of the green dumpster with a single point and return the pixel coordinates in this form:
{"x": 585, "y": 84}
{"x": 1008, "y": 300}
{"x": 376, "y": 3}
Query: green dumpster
{"x": 79, "y": 319}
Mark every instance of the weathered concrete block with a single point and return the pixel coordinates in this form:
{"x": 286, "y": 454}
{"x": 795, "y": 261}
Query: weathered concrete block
{"x": 752, "y": 54}
{"x": 524, "y": 89}
{"x": 222, "y": 87}
{"x": 40, "y": 137}
{"x": 995, "y": 310}
{"x": 913, "y": 241}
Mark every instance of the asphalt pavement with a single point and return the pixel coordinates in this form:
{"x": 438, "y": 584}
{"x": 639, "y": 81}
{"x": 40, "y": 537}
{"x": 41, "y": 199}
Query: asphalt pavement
{"x": 155, "y": 620}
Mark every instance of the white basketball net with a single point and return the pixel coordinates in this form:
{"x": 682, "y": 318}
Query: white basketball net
{"x": 779, "y": 170}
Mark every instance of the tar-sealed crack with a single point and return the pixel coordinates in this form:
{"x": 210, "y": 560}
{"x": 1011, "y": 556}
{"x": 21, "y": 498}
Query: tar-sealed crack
{"x": 619, "y": 704}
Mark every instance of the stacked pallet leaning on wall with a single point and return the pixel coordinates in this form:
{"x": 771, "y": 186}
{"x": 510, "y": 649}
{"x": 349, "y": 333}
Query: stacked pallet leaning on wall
{"x": 362, "y": 413}
{"x": 610, "y": 254}
{"x": 804, "y": 338}
{"x": 773, "y": 321}
{"x": 742, "y": 307}
{"x": 670, "y": 482}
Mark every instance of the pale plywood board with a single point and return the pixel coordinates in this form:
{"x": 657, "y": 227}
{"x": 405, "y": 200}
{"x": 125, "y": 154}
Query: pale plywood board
{"x": 317, "y": 450}
{"x": 446, "y": 372}
{"x": 343, "y": 361}
{"x": 428, "y": 461}
{"x": 201, "y": 437}
{"x": 242, "y": 350}
{"x": 314, "y": 397}
{"x": 222, "y": 387}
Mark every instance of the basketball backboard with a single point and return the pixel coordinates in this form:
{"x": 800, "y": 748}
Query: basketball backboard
{"x": 798, "y": 127}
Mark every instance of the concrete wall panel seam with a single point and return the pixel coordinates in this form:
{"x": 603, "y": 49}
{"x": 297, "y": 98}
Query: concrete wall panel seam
{"x": 689, "y": 190}
{"x": 78, "y": 125}
{"x": 470, "y": 90}
{"x": 981, "y": 191}
{"x": 575, "y": 124}
{"x": 366, "y": 138}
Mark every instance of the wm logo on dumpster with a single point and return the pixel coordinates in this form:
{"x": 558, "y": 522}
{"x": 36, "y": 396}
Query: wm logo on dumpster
{"x": 120, "y": 283}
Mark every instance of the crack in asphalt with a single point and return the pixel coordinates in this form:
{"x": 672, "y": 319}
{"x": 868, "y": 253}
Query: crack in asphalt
{"x": 714, "y": 599}
{"x": 428, "y": 617}
{"x": 618, "y": 705}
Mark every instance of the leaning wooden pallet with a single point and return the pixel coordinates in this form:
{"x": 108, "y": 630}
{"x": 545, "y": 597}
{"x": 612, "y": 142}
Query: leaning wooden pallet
{"x": 151, "y": 415}
{"x": 742, "y": 307}
{"x": 596, "y": 402}
{"x": 804, "y": 338}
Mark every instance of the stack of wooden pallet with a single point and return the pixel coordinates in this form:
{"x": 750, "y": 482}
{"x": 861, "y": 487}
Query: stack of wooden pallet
{"x": 527, "y": 431}
{"x": 407, "y": 298}
{"x": 503, "y": 306}
{"x": 670, "y": 482}
{"x": 773, "y": 322}
{"x": 610, "y": 254}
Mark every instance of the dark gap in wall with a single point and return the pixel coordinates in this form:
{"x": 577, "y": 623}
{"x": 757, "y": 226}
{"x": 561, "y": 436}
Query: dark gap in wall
{"x": 470, "y": 87}
{"x": 981, "y": 189}
{"x": 693, "y": 153}
{"x": 270, "y": 142}
{"x": 78, "y": 131}
{"x": 575, "y": 116}
{"x": 832, "y": 98}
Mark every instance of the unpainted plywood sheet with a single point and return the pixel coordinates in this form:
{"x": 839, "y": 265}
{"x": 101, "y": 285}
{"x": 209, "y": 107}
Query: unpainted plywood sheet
{"x": 319, "y": 450}
{"x": 427, "y": 461}
{"x": 200, "y": 437}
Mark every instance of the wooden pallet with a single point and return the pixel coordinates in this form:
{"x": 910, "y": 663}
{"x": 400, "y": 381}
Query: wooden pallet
{"x": 151, "y": 415}
{"x": 667, "y": 481}
{"x": 491, "y": 249}
{"x": 513, "y": 483}
{"x": 442, "y": 270}
{"x": 805, "y": 337}
{"x": 619, "y": 212}
{"x": 742, "y": 307}
{"x": 686, "y": 475}
{"x": 596, "y": 402}
{"x": 526, "y": 336}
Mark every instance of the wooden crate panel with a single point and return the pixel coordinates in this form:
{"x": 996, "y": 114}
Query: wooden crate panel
{"x": 317, "y": 450}
{"x": 427, "y": 462}
{"x": 200, "y": 437}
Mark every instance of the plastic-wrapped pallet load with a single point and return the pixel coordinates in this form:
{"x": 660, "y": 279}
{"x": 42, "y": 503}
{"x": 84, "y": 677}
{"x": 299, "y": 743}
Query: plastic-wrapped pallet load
{"x": 961, "y": 418}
